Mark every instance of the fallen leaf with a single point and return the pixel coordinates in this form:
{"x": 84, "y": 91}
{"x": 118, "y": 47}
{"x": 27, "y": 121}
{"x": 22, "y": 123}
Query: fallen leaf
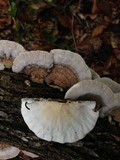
{"x": 116, "y": 115}
{"x": 64, "y": 21}
{"x": 98, "y": 30}
{"x": 94, "y": 7}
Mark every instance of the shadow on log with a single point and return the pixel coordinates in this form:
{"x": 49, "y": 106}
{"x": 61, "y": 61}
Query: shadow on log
{"x": 101, "y": 144}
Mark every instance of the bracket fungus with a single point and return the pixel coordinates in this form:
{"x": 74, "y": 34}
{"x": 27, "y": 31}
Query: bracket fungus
{"x": 91, "y": 90}
{"x": 9, "y": 50}
{"x": 57, "y": 120}
{"x": 69, "y": 69}
{"x": 7, "y": 151}
{"x": 114, "y": 86}
{"x": 34, "y": 63}
{"x": 32, "y": 155}
{"x": 59, "y": 68}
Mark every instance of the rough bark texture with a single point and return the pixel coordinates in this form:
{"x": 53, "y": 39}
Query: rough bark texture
{"x": 102, "y": 143}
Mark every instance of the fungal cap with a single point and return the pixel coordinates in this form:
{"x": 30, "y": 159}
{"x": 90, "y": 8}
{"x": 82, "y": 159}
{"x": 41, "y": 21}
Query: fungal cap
{"x": 1, "y": 66}
{"x": 94, "y": 74}
{"x": 58, "y": 121}
{"x": 114, "y": 86}
{"x": 10, "y": 49}
{"x": 113, "y": 105}
{"x": 73, "y": 60}
{"x": 94, "y": 90}
{"x": 40, "y": 58}
{"x": 32, "y": 155}
{"x": 7, "y": 152}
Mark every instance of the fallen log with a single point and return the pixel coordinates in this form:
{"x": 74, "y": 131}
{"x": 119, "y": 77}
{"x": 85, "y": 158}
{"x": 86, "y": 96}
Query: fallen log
{"x": 102, "y": 143}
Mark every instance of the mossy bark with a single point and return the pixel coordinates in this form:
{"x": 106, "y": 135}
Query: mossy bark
{"x": 102, "y": 143}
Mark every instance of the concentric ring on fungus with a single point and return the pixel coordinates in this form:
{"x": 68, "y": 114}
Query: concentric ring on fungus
{"x": 69, "y": 68}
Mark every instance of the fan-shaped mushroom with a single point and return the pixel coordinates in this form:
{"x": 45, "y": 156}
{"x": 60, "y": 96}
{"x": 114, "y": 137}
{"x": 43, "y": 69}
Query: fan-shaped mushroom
{"x": 8, "y": 51}
{"x": 94, "y": 74}
{"x": 68, "y": 65}
{"x": 59, "y": 121}
{"x": 114, "y": 86}
{"x": 113, "y": 105}
{"x": 7, "y": 151}
{"x": 32, "y": 155}
{"x": 91, "y": 90}
{"x": 34, "y": 63}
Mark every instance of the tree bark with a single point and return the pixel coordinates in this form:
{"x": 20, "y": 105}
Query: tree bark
{"x": 102, "y": 143}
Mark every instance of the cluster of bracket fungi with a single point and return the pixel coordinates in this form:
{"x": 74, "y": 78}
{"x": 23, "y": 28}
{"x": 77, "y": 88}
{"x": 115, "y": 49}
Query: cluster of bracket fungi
{"x": 87, "y": 98}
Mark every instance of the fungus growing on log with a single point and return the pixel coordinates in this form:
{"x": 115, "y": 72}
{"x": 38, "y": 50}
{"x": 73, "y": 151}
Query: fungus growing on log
{"x": 57, "y": 120}
{"x": 94, "y": 74}
{"x": 34, "y": 63}
{"x": 7, "y": 151}
{"x": 114, "y": 86}
{"x": 59, "y": 68}
{"x": 91, "y": 90}
{"x": 68, "y": 65}
{"x": 9, "y": 50}
{"x": 32, "y": 155}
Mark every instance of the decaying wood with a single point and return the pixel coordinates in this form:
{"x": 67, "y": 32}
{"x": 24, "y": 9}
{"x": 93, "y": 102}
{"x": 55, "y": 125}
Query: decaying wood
{"x": 101, "y": 144}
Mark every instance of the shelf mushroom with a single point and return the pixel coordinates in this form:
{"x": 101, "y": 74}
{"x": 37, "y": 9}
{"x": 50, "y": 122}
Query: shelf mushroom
{"x": 7, "y": 151}
{"x": 59, "y": 68}
{"x": 69, "y": 68}
{"x": 57, "y": 120}
{"x": 34, "y": 63}
{"x": 8, "y": 51}
{"x": 32, "y": 155}
{"x": 115, "y": 87}
{"x": 92, "y": 90}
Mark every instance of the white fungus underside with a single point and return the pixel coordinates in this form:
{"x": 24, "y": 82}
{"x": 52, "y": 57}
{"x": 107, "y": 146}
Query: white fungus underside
{"x": 90, "y": 87}
{"x": 9, "y": 152}
{"x": 32, "y": 155}
{"x": 40, "y": 58}
{"x": 73, "y": 60}
{"x": 59, "y": 122}
{"x": 114, "y": 104}
{"x": 114, "y": 86}
{"x": 1, "y": 66}
{"x": 10, "y": 49}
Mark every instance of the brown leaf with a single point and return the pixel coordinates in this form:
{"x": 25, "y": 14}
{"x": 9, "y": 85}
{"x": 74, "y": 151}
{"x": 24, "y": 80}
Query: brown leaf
{"x": 94, "y": 7}
{"x": 117, "y": 53}
{"x": 116, "y": 114}
{"x": 104, "y": 7}
{"x": 64, "y": 21}
{"x": 98, "y": 30}
{"x": 4, "y": 5}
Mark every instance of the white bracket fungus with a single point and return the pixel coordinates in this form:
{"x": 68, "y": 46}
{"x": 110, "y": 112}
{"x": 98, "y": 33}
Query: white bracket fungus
{"x": 97, "y": 91}
{"x": 32, "y": 155}
{"x": 74, "y": 61}
{"x": 114, "y": 86}
{"x": 65, "y": 68}
{"x": 94, "y": 74}
{"x": 59, "y": 121}
{"x": 91, "y": 90}
{"x": 40, "y": 58}
{"x": 7, "y": 151}
{"x": 9, "y": 50}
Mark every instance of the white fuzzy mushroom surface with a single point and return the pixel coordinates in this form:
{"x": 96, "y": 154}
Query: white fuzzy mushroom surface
{"x": 73, "y": 60}
{"x": 59, "y": 121}
{"x": 7, "y": 151}
{"x": 40, "y": 58}
{"x": 9, "y": 50}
